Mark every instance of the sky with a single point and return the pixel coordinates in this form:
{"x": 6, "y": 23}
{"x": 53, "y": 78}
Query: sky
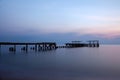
{"x": 60, "y": 20}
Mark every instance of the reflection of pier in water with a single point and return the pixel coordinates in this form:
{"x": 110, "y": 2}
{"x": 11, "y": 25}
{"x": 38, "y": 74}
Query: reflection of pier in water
{"x": 44, "y": 46}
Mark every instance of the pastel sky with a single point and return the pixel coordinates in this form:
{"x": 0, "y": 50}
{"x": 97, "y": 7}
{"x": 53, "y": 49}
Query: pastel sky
{"x": 65, "y": 19}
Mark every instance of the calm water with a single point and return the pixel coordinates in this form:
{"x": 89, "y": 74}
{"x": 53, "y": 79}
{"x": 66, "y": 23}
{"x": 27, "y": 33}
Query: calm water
{"x": 101, "y": 63}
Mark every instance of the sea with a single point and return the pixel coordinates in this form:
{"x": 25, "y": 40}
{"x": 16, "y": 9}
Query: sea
{"x": 85, "y": 63}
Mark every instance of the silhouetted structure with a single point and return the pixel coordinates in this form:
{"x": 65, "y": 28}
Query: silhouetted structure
{"x": 44, "y": 46}
{"x": 93, "y": 43}
{"x": 38, "y": 46}
{"x": 74, "y": 44}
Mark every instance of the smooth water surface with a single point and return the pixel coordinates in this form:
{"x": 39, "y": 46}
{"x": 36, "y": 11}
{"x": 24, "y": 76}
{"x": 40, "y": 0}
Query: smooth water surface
{"x": 101, "y": 63}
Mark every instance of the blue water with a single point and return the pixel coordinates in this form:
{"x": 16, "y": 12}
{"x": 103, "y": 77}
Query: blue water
{"x": 101, "y": 63}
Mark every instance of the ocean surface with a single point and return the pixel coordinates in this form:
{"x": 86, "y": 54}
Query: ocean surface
{"x": 101, "y": 63}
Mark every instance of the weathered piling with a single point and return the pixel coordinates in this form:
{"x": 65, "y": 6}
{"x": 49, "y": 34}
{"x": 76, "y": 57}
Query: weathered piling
{"x": 39, "y": 47}
{"x": 93, "y": 43}
{"x": 14, "y": 47}
{"x": 97, "y": 44}
{"x": 35, "y": 47}
{"x": 0, "y": 47}
{"x": 26, "y": 48}
{"x": 74, "y": 44}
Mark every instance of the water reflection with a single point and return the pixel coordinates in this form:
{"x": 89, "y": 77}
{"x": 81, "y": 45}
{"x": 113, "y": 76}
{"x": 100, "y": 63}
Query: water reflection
{"x": 63, "y": 64}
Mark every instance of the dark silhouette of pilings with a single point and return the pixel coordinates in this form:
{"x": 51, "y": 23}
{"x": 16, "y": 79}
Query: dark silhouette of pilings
{"x": 74, "y": 44}
{"x": 97, "y": 44}
{"x": 39, "y": 47}
{"x": 0, "y": 47}
{"x": 26, "y": 48}
{"x": 35, "y": 47}
{"x": 44, "y": 46}
{"x": 61, "y": 46}
{"x": 13, "y": 49}
{"x": 93, "y": 43}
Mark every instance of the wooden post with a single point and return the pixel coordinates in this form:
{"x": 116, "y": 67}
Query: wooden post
{"x": 14, "y": 49}
{"x": 56, "y": 46}
{"x": 94, "y": 44}
{"x": 43, "y": 46}
{"x": 47, "y": 46}
{"x": 97, "y": 44}
{"x": 0, "y": 48}
{"x": 38, "y": 47}
{"x": 26, "y": 49}
{"x": 35, "y": 47}
{"x": 90, "y": 44}
{"x": 50, "y": 46}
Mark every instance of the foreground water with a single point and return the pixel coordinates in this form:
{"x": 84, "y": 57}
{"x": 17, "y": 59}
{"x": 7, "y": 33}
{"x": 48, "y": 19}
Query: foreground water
{"x": 101, "y": 63}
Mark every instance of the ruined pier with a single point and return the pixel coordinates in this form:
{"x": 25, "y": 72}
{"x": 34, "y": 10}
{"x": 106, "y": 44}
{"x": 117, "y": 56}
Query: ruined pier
{"x": 90, "y": 43}
{"x": 44, "y": 46}
{"x": 37, "y": 46}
